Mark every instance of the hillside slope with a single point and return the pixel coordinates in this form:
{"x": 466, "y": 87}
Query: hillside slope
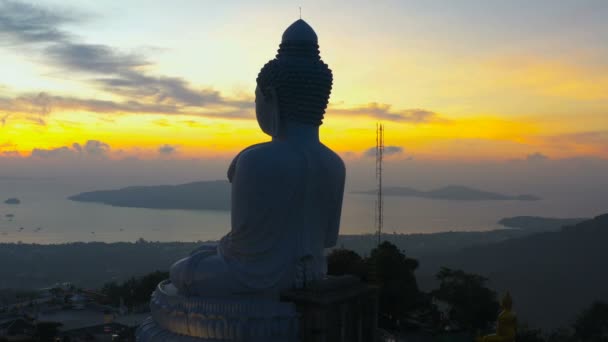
{"x": 552, "y": 275}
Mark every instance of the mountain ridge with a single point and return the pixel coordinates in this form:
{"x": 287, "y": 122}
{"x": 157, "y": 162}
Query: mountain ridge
{"x": 552, "y": 275}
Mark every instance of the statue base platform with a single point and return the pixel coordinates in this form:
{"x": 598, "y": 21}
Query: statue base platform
{"x": 336, "y": 309}
{"x": 188, "y": 319}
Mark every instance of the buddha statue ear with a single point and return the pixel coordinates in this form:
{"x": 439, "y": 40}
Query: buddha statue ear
{"x": 267, "y": 110}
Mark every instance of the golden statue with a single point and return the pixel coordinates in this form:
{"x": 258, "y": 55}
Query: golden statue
{"x": 506, "y": 324}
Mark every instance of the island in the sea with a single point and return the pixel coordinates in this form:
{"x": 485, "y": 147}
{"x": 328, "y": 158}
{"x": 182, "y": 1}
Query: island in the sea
{"x": 13, "y": 201}
{"x": 215, "y": 195}
{"x": 452, "y": 192}
{"x": 207, "y": 195}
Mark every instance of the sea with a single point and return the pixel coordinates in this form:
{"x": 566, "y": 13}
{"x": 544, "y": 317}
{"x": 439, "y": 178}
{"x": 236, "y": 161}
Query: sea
{"x": 46, "y": 216}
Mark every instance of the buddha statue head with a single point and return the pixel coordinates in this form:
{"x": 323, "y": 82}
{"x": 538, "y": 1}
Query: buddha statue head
{"x": 295, "y": 86}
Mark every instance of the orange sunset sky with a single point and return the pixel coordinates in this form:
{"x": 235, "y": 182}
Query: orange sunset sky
{"x": 466, "y": 80}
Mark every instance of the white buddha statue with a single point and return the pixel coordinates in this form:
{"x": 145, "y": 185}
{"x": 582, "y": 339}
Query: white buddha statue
{"x": 286, "y": 193}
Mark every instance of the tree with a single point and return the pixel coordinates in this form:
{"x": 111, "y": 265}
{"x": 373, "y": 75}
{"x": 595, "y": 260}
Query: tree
{"x": 344, "y": 261}
{"x": 561, "y": 335}
{"x": 592, "y": 324}
{"x": 47, "y": 331}
{"x": 527, "y": 334}
{"x": 472, "y": 306}
{"x": 134, "y": 291}
{"x": 393, "y": 272}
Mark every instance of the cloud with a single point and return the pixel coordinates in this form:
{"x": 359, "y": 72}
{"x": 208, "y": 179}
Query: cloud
{"x": 25, "y": 23}
{"x": 385, "y": 112}
{"x": 111, "y": 70}
{"x": 536, "y": 157}
{"x": 388, "y": 151}
{"x": 11, "y": 154}
{"x": 91, "y": 148}
{"x": 162, "y": 123}
{"x": 124, "y": 75}
{"x": 3, "y": 119}
{"x": 59, "y": 152}
{"x": 9, "y": 150}
{"x": 93, "y": 58}
{"x": 161, "y": 89}
{"x": 586, "y": 142}
{"x": 392, "y": 150}
{"x": 590, "y": 137}
{"x": 167, "y": 150}
{"x": 35, "y": 106}
{"x": 96, "y": 148}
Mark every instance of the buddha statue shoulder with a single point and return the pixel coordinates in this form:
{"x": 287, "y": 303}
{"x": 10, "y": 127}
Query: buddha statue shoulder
{"x": 286, "y": 193}
{"x": 506, "y": 324}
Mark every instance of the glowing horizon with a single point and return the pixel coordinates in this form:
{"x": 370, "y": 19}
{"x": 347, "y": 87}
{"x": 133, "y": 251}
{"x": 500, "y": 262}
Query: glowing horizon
{"x": 468, "y": 82}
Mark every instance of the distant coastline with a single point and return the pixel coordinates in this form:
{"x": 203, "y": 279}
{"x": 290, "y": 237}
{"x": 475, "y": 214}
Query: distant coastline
{"x": 208, "y": 195}
{"x": 452, "y": 193}
{"x": 215, "y": 195}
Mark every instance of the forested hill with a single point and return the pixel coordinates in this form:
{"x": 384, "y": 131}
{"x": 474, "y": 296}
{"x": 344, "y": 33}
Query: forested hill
{"x": 552, "y": 275}
{"x": 91, "y": 264}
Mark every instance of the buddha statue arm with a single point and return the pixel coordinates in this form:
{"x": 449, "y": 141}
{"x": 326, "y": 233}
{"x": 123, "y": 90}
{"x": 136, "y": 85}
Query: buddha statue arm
{"x": 266, "y": 185}
{"x": 331, "y": 236}
{"x": 232, "y": 167}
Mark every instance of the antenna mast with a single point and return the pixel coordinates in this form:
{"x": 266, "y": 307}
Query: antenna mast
{"x": 379, "y": 200}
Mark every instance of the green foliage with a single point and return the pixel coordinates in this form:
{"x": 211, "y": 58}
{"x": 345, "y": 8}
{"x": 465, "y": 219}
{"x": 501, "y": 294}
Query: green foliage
{"x": 592, "y": 324}
{"x": 394, "y": 273}
{"x": 391, "y": 270}
{"x": 86, "y": 265}
{"x": 561, "y": 335}
{"x": 344, "y": 261}
{"x": 134, "y": 291}
{"x": 526, "y": 334}
{"x": 47, "y": 331}
{"x": 473, "y": 306}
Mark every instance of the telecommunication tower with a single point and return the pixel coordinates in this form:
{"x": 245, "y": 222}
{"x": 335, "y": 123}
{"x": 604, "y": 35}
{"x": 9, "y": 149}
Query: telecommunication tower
{"x": 379, "y": 200}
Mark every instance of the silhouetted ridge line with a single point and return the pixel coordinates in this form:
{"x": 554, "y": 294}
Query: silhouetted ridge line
{"x": 569, "y": 264}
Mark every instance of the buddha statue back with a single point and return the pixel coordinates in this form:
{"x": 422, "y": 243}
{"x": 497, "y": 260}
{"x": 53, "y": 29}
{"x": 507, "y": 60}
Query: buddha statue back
{"x": 286, "y": 193}
{"x": 286, "y": 204}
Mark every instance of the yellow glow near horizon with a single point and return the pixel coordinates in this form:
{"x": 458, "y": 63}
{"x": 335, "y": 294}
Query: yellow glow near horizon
{"x": 471, "y": 138}
{"x": 493, "y": 99}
